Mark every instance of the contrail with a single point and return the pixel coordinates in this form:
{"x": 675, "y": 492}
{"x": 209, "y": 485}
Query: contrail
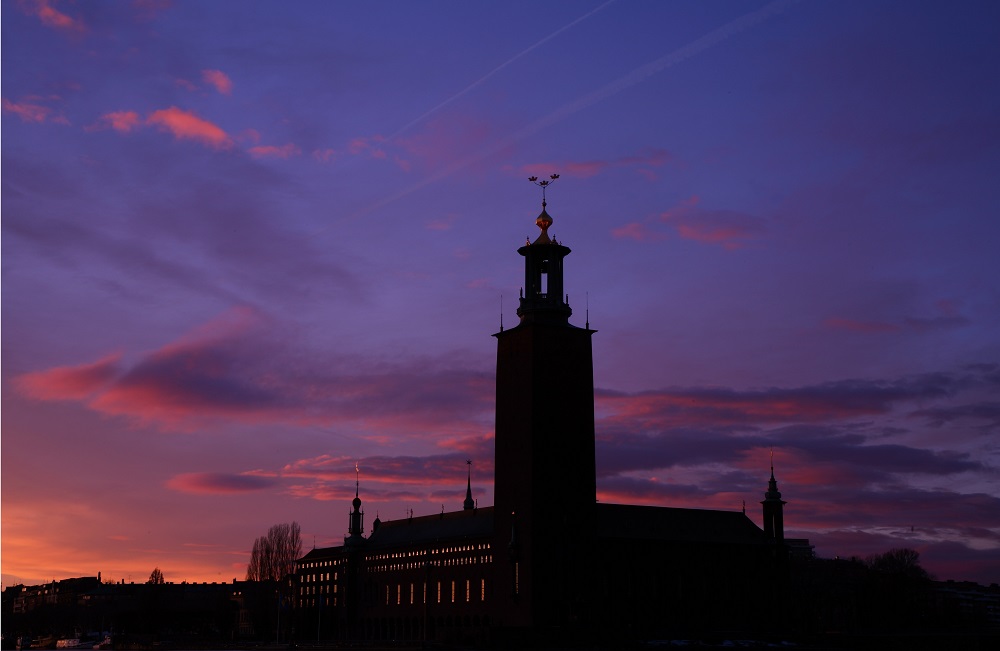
{"x": 638, "y": 75}
{"x": 497, "y": 69}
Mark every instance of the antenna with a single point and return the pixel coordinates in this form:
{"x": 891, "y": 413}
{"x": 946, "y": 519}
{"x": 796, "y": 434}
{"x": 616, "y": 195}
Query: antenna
{"x": 587, "y": 324}
{"x": 543, "y": 185}
{"x": 501, "y": 312}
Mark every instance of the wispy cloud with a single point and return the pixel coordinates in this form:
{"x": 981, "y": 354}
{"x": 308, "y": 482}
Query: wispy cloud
{"x": 52, "y": 17}
{"x": 274, "y": 151}
{"x": 71, "y": 382}
{"x": 727, "y": 228}
{"x": 123, "y": 121}
{"x": 218, "y": 80}
{"x": 216, "y": 483}
{"x": 645, "y": 161}
{"x": 186, "y": 125}
{"x": 31, "y": 110}
{"x": 235, "y": 370}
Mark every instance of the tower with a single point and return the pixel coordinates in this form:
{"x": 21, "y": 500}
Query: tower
{"x": 469, "y": 503}
{"x": 545, "y": 486}
{"x": 774, "y": 524}
{"x": 356, "y": 519}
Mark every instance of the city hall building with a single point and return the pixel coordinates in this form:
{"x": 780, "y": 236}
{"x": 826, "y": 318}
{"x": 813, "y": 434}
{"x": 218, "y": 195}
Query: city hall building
{"x": 547, "y": 562}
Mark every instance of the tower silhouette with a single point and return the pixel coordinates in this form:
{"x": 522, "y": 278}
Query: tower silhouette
{"x": 545, "y": 468}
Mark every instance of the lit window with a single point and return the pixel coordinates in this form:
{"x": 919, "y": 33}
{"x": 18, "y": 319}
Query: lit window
{"x": 482, "y": 590}
{"x": 452, "y": 592}
{"x": 386, "y": 595}
{"x": 439, "y": 592}
{"x": 411, "y": 594}
{"x": 467, "y": 590}
{"x": 399, "y": 594}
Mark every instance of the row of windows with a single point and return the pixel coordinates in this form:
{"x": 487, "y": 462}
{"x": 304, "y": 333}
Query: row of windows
{"x": 419, "y": 553}
{"x": 309, "y": 578}
{"x": 313, "y": 564}
{"x": 454, "y": 593}
{"x": 303, "y": 590}
{"x": 446, "y": 562}
{"x": 312, "y": 602}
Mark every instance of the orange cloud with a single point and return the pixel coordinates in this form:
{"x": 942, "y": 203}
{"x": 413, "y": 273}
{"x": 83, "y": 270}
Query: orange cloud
{"x": 70, "y": 382}
{"x": 217, "y": 78}
{"x": 186, "y": 125}
{"x": 272, "y": 151}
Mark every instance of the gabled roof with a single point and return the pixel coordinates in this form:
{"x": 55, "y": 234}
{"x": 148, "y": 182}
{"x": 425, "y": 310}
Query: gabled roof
{"x": 626, "y": 521}
{"x": 455, "y": 525}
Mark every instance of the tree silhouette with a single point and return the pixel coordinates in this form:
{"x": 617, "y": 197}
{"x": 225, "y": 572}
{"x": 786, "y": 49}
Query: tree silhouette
{"x": 899, "y": 561}
{"x": 156, "y": 576}
{"x": 273, "y": 556}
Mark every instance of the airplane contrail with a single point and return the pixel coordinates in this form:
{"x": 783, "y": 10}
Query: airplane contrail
{"x": 638, "y": 75}
{"x": 497, "y": 69}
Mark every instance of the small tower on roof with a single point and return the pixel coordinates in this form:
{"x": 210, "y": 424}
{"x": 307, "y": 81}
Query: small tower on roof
{"x": 774, "y": 524}
{"x": 356, "y": 519}
{"x": 469, "y": 503}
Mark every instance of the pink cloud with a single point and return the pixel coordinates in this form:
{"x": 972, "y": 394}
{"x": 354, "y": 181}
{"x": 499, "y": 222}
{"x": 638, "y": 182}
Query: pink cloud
{"x": 216, "y": 483}
{"x": 324, "y": 155}
{"x": 123, "y": 121}
{"x": 358, "y": 146}
{"x": 637, "y": 231}
{"x": 272, "y": 151}
{"x": 218, "y": 79}
{"x": 27, "y": 112}
{"x": 70, "y": 382}
{"x": 54, "y": 18}
{"x": 185, "y": 84}
{"x": 187, "y": 125}
{"x": 852, "y": 325}
{"x": 402, "y": 163}
{"x": 442, "y": 141}
{"x": 441, "y": 223}
{"x": 642, "y": 161}
{"x": 727, "y": 228}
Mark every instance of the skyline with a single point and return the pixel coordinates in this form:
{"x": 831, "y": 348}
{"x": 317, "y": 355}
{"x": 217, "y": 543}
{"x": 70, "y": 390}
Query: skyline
{"x": 244, "y": 251}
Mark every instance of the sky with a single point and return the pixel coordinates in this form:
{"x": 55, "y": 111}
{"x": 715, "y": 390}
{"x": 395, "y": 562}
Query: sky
{"x": 249, "y": 245}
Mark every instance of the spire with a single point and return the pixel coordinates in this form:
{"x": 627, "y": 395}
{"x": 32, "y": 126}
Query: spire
{"x": 469, "y": 502}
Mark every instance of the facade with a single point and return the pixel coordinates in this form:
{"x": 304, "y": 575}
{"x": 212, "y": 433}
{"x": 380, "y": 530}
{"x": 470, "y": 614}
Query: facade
{"x": 546, "y": 559}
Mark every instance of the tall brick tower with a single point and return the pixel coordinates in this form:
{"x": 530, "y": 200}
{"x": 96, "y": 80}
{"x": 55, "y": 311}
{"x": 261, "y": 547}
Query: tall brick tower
{"x": 545, "y": 486}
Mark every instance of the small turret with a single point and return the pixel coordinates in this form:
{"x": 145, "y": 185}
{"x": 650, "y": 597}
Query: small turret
{"x": 774, "y": 526}
{"x": 356, "y": 519}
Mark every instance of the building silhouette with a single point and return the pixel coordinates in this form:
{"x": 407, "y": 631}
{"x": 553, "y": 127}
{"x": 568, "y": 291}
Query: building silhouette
{"x": 547, "y": 561}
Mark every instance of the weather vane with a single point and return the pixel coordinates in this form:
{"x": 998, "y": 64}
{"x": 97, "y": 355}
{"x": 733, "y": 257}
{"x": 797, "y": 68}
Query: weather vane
{"x": 543, "y": 184}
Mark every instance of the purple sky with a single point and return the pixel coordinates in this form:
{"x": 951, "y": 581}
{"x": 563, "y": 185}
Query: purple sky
{"x": 247, "y": 245}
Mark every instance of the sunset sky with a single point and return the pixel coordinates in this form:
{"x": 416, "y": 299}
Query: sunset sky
{"x": 247, "y": 245}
